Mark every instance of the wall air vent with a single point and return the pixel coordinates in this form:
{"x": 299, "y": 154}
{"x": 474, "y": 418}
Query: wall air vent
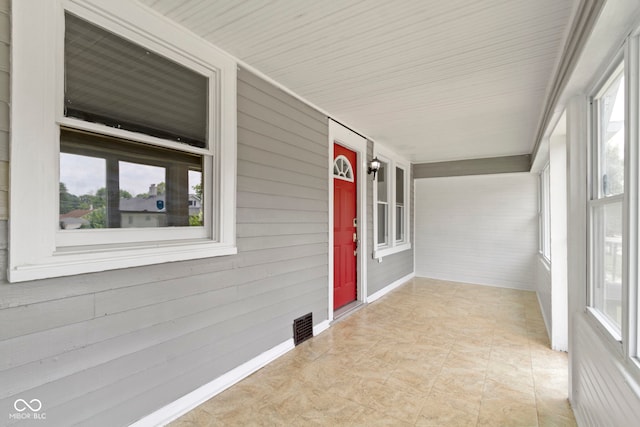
{"x": 302, "y": 328}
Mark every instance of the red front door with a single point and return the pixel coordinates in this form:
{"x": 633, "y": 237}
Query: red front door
{"x": 344, "y": 226}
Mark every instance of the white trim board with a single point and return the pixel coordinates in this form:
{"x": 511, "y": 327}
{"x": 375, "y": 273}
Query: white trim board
{"x": 544, "y": 317}
{"x": 344, "y": 136}
{"x": 321, "y": 327}
{"x": 186, "y": 403}
{"x": 382, "y": 292}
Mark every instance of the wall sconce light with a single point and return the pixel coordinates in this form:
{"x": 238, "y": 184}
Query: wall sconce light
{"x": 374, "y": 165}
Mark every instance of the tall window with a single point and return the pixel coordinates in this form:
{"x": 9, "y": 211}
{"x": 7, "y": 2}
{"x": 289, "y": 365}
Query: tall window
{"x": 606, "y": 201}
{"x": 400, "y": 211}
{"x": 382, "y": 202}
{"x": 391, "y": 215}
{"x": 544, "y": 215}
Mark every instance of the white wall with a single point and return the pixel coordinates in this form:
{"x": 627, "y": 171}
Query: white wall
{"x": 558, "y": 204}
{"x": 542, "y": 269}
{"x": 478, "y": 229}
{"x": 551, "y": 275}
{"x": 543, "y": 290}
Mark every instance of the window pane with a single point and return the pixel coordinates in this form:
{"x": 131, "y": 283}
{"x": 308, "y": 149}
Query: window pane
{"x": 112, "y": 81}
{"x": 607, "y": 261}
{"x": 611, "y": 143}
{"x": 141, "y": 204}
{"x": 399, "y": 186}
{"x": 399, "y": 223}
{"x": 381, "y": 179}
{"x": 382, "y": 223}
{"x": 195, "y": 198}
{"x": 546, "y": 213}
{"x": 79, "y": 196}
{"x": 111, "y": 183}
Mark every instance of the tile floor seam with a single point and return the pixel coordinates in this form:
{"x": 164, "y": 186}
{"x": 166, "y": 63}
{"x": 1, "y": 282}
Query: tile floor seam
{"x": 484, "y": 386}
{"x": 533, "y": 377}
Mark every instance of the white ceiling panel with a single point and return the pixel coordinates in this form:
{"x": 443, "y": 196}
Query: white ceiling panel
{"x": 435, "y": 80}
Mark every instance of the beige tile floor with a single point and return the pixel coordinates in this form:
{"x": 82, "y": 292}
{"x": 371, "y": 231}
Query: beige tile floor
{"x": 431, "y": 353}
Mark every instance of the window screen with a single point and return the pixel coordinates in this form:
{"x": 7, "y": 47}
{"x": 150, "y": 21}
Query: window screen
{"x": 112, "y": 81}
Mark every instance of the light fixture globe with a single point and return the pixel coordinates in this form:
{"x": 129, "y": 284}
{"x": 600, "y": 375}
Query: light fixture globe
{"x": 374, "y": 165}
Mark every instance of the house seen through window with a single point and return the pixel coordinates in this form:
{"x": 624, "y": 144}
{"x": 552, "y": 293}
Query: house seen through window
{"x": 85, "y": 201}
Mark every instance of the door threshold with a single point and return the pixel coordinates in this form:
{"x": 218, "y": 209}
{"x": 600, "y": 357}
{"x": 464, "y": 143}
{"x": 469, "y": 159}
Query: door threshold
{"x": 347, "y": 309}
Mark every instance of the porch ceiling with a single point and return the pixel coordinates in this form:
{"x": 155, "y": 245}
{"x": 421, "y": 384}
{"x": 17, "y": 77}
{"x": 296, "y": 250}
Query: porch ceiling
{"x": 434, "y": 80}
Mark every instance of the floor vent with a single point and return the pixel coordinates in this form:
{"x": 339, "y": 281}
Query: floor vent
{"x": 302, "y": 328}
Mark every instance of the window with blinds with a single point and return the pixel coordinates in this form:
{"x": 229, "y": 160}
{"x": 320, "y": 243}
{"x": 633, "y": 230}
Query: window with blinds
{"x": 112, "y": 81}
{"x": 126, "y": 141}
{"x": 109, "y": 182}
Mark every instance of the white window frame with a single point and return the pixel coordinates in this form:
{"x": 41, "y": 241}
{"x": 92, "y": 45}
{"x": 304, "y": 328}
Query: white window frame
{"x": 389, "y": 205}
{"x": 349, "y": 170}
{"x": 405, "y": 171}
{"x": 37, "y": 249}
{"x": 597, "y": 200}
{"x": 392, "y": 246}
{"x": 631, "y": 205}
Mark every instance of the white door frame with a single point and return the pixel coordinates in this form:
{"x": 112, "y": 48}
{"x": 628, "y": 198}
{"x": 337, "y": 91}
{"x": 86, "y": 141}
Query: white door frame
{"x": 351, "y": 140}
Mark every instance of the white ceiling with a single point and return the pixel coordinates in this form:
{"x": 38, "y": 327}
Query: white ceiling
{"x": 434, "y": 80}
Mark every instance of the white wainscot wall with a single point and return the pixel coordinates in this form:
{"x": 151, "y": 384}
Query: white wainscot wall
{"x": 479, "y": 229}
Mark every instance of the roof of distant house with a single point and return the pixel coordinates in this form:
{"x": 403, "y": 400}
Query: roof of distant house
{"x": 142, "y": 204}
{"x": 76, "y": 213}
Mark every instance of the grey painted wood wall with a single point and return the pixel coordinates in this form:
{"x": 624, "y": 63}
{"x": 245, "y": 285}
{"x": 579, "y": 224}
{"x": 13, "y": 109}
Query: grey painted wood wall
{"x": 392, "y": 267}
{"x": 5, "y": 38}
{"x": 108, "y": 348}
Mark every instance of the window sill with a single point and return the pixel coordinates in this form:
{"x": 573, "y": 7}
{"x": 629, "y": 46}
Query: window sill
{"x": 73, "y": 261}
{"x": 606, "y": 329}
{"x": 386, "y": 251}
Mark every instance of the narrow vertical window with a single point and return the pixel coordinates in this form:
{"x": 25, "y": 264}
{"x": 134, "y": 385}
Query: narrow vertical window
{"x": 606, "y": 204}
{"x": 382, "y": 180}
{"x": 392, "y": 205}
{"x": 400, "y": 210}
{"x": 545, "y": 214}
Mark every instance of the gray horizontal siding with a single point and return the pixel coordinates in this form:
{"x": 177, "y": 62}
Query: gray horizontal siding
{"x": 393, "y": 267}
{"x": 108, "y": 348}
{"x": 5, "y": 98}
{"x": 492, "y": 165}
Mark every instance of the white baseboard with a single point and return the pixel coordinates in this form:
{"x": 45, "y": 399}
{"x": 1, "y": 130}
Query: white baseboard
{"x": 177, "y": 408}
{"x": 581, "y": 420}
{"x": 382, "y": 292}
{"x": 547, "y": 326}
{"x": 186, "y": 403}
{"x": 321, "y": 327}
